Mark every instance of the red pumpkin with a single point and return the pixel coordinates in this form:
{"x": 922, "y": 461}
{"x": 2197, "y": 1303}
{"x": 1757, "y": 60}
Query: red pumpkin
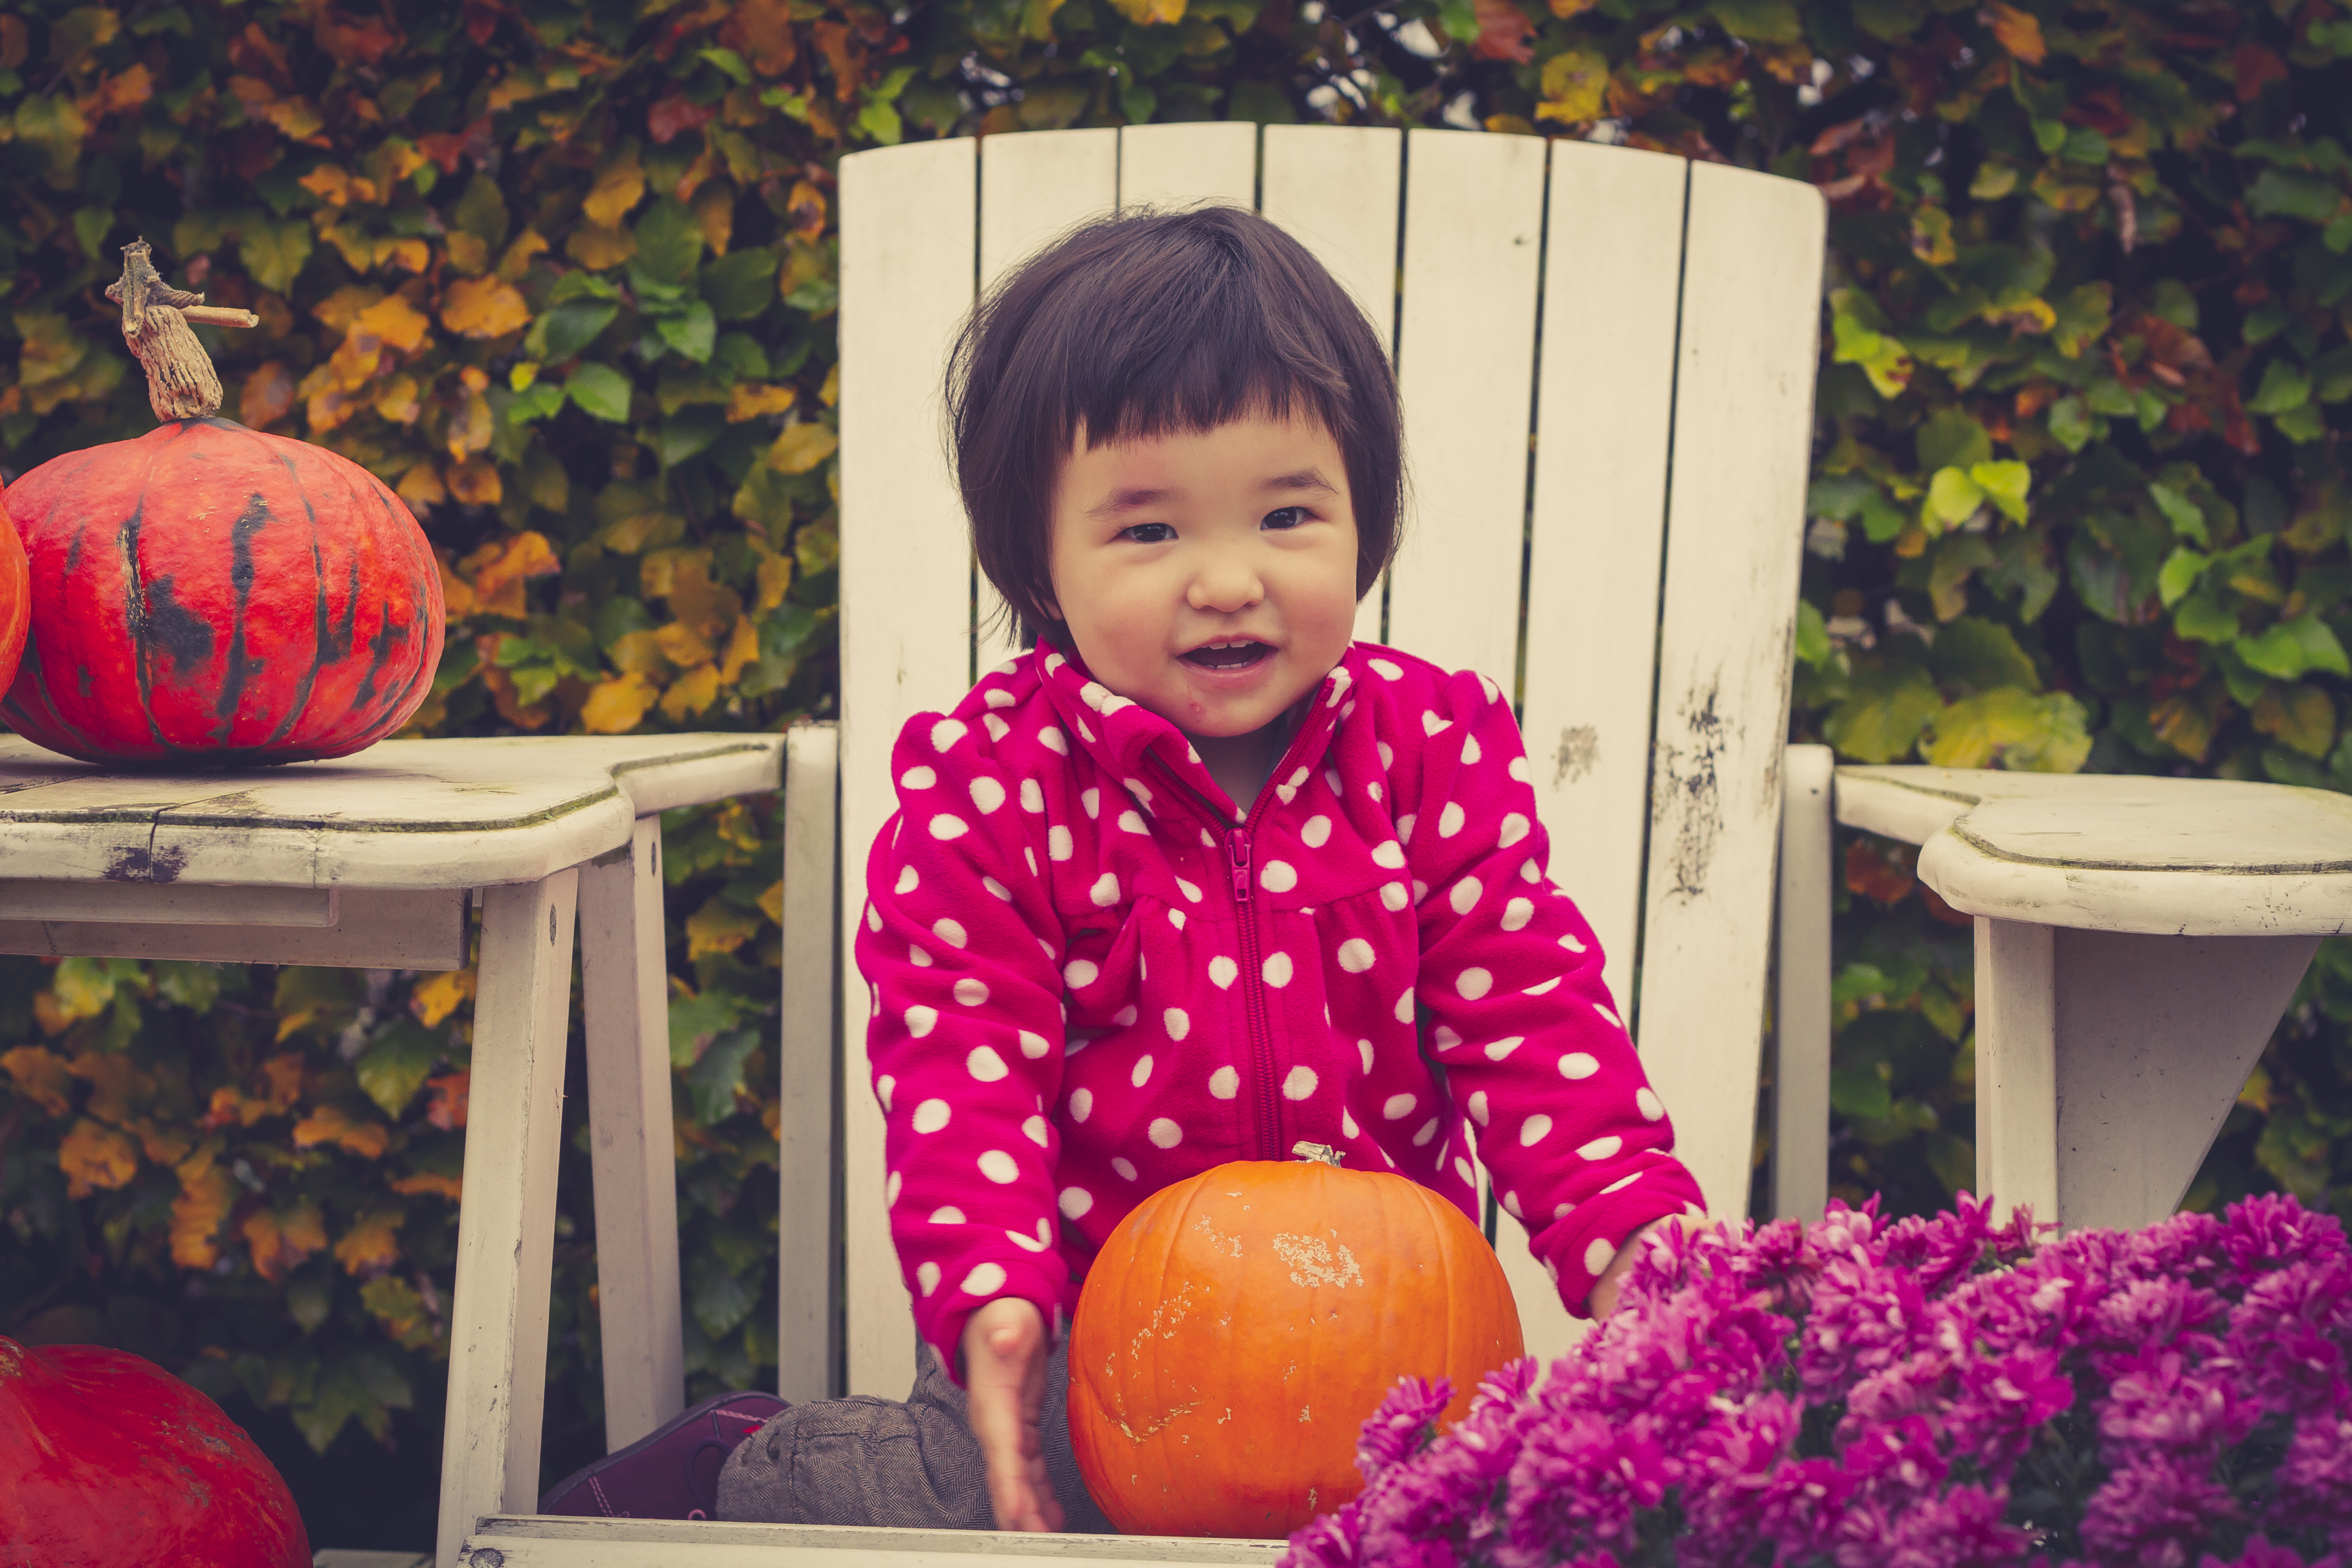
{"x": 112, "y": 1462}
{"x": 16, "y": 600}
{"x": 213, "y": 595}
{"x": 1237, "y": 1327}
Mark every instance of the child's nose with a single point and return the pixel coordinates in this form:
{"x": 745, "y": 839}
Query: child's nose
{"x": 1225, "y": 584}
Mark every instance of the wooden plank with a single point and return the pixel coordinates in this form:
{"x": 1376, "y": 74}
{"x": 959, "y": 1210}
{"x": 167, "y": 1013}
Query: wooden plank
{"x": 1338, "y": 191}
{"x": 1033, "y": 186}
{"x": 1465, "y": 360}
{"x": 1185, "y": 162}
{"x": 2017, "y": 1067}
{"x": 528, "y": 1542}
{"x": 808, "y": 1170}
{"x": 1800, "y": 1076}
{"x": 1743, "y": 442}
{"x": 625, "y": 1005}
{"x": 374, "y": 930}
{"x": 907, "y": 243}
{"x": 506, "y": 1228}
{"x": 168, "y": 903}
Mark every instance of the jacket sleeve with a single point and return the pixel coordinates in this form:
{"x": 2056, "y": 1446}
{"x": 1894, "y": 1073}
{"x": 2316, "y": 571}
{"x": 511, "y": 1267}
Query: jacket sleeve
{"x": 1533, "y": 1045}
{"x": 959, "y": 943}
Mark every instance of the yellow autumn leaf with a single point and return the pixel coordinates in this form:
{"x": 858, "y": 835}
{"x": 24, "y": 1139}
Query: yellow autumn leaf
{"x": 398, "y": 401}
{"x": 2020, "y": 32}
{"x": 371, "y": 1244}
{"x": 620, "y": 185}
{"x": 714, "y": 215}
{"x": 718, "y": 927}
{"x": 500, "y": 568}
{"x": 617, "y": 706}
{"x": 692, "y": 692}
{"x": 421, "y": 487}
{"x": 95, "y": 1158}
{"x": 115, "y": 1083}
{"x": 775, "y": 580}
{"x": 1575, "y": 85}
{"x": 393, "y": 320}
{"x": 329, "y": 183}
{"x": 40, "y": 1077}
{"x": 681, "y": 645}
{"x": 161, "y": 1145}
{"x": 206, "y": 1195}
{"x": 408, "y": 255}
{"x": 448, "y": 1187}
{"x": 484, "y": 308}
{"x": 278, "y": 1242}
{"x": 521, "y": 251}
{"x": 1151, "y": 12}
{"x": 476, "y": 483}
{"x": 751, "y": 399}
{"x": 638, "y": 653}
{"x": 802, "y": 447}
{"x": 742, "y": 648}
{"x": 436, "y": 996}
{"x": 333, "y": 1124}
{"x": 772, "y": 903}
{"x": 84, "y": 987}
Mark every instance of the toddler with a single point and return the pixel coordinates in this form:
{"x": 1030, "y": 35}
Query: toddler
{"x": 1199, "y": 878}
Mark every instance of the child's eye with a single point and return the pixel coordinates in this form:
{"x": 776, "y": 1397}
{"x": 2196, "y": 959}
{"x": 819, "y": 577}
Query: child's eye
{"x": 1149, "y": 533}
{"x": 1287, "y": 517}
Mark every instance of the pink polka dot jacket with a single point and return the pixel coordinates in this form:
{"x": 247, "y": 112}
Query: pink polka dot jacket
{"x": 1093, "y": 977}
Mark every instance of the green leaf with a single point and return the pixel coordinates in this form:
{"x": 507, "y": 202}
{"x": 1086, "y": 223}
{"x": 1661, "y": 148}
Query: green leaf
{"x": 880, "y": 120}
{"x": 712, "y": 1082}
{"x": 669, "y": 240}
{"x": 1948, "y": 439}
{"x": 2181, "y": 570}
{"x": 2331, "y": 375}
{"x": 740, "y": 284}
{"x": 2188, "y": 519}
{"x": 1883, "y": 714}
{"x": 568, "y": 328}
{"x": 1890, "y": 21}
{"x": 1860, "y": 1093}
{"x": 687, "y": 433}
{"x": 2291, "y": 647}
{"x": 273, "y": 253}
{"x": 2302, "y": 425}
{"x": 691, "y": 334}
{"x": 1973, "y": 654}
{"x": 482, "y": 211}
{"x": 2203, "y": 617}
{"x": 729, "y": 62}
{"x": 2277, "y": 194}
{"x": 2022, "y": 731}
{"x": 719, "y": 1300}
{"x": 2004, "y": 484}
{"x": 1459, "y": 19}
{"x": 1760, "y": 21}
{"x": 194, "y": 987}
{"x": 397, "y": 1063}
{"x": 693, "y": 1020}
{"x": 2283, "y": 386}
{"x": 601, "y": 390}
{"x": 1953, "y": 497}
{"x": 1813, "y": 646}
{"x": 2070, "y": 423}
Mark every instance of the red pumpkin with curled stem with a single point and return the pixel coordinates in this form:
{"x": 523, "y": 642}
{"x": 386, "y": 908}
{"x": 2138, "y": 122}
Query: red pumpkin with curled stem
{"x": 209, "y": 596}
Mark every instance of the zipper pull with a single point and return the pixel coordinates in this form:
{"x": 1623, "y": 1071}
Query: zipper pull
{"x": 1237, "y": 840}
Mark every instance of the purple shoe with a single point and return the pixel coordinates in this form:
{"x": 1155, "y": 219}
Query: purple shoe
{"x": 672, "y": 1472}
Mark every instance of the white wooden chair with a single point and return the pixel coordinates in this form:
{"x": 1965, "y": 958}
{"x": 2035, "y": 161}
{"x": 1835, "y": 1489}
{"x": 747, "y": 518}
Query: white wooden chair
{"x": 1652, "y": 325}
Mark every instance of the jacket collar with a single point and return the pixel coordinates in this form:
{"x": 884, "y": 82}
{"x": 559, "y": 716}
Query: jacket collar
{"x": 1133, "y": 742}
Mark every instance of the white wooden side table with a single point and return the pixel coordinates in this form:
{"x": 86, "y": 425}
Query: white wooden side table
{"x": 373, "y": 861}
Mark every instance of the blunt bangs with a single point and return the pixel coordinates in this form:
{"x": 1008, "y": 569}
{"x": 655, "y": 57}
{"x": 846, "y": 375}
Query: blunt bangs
{"x": 1149, "y": 324}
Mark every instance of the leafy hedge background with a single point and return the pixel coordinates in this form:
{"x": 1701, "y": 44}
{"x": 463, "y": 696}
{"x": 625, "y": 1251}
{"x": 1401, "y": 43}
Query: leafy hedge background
{"x": 564, "y": 274}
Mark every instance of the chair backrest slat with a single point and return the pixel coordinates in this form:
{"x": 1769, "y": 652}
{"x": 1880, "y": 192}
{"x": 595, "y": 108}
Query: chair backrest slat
{"x": 1743, "y": 423}
{"x": 1465, "y": 363}
{"x": 1203, "y": 160}
{"x": 1337, "y": 192}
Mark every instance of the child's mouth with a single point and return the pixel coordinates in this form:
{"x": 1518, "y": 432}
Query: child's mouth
{"x": 1234, "y": 656}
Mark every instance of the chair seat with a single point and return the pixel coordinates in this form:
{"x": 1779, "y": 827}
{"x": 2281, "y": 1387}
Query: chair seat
{"x": 538, "y": 1541}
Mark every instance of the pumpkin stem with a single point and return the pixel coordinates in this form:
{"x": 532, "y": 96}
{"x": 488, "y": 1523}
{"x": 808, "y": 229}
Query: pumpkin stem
{"x": 180, "y": 381}
{"x": 1318, "y": 1153}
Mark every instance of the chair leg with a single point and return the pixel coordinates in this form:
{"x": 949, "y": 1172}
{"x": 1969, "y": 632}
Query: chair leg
{"x": 506, "y": 1224}
{"x": 808, "y": 1324}
{"x": 624, "y": 1000}
{"x": 1800, "y": 1077}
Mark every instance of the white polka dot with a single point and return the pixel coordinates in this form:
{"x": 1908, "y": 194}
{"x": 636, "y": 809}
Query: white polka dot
{"x": 987, "y": 793}
{"x": 931, "y": 1115}
{"x": 873, "y": 918}
{"x": 1517, "y": 913}
{"x": 1391, "y": 855}
{"x": 1299, "y": 1083}
{"x": 1470, "y": 752}
{"x": 951, "y": 1214}
{"x": 1164, "y": 1133}
{"x": 1399, "y": 1106}
{"x": 1316, "y": 831}
{"x": 1037, "y": 1243}
{"x": 1428, "y": 1130}
{"x": 1515, "y": 827}
{"x": 1599, "y": 1256}
{"x": 1621, "y": 1183}
{"x": 947, "y": 733}
{"x": 1384, "y": 670}
{"x": 1465, "y": 896}
{"x": 944, "y": 826}
{"x": 1188, "y": 889}
{"x": 1511, "y": 1202}
{"x": 1223, "y": 971}
{"x": 1051, "y": 739}
{"x": 1605, "y": 1013}
{"x": 908, "y": 880}
{"x": 984, "y": 1064}
{"x": 1571, "y": 943}
{"x": 1651, "y": 1107}
{"x": 1057, "y": 843}
{"x": 1497, "y": 1050}
{"x": 1462, "y": 1169}
{"x": 1444, "y": 1038}
{"x": 1129, "y": 822}
{"x": 927, "y": 1274}
{"x": 1601, "y": 1148}
{"x": 1124, "y": 1167}
{"x": 970, "y": 991}
{"x": 890, "y": 1189}
{"x": 1277, "y": 969}
{"x": 1142, "y": 1074}
{"x": 1082, "y": 1104}
{"x": 1032, "y": 1045}
{"x": 1079, "y": 973}
{"x": 920, "y": 1021}
{"x": 1076, "y": 1202}
{"x": 1393, "y": 896}
{"x": 997, "y": 697}
{"x": 1176, "y": 918}
{"x": 1277, "y": 877}
{"x": 1092, "y": 800}
{"x": 1579, "y": 1064}
{"x": 952, "y": 932}
{"x": 1474, "y": 983}
{"x": 1533, "y": 1130}
{"x": 1035, "y": 1128}
{"x": 1224, "y": 1083}
{"x": 917, "y": 778}
{"x": 1420, "y": 890}
{"x": 1404, "y": 1009}
{"x": 997, "y": 727}
{"x": 1356, "y": 955}
{"x": 1450, "y": 820}
{"x": 985, "y": 1279}
{"x": 999, "y": 1166}
{"x": 1031, "y": 857}
{"x": 1478, "y": 1108}
{"x": 1364, "y": 1049}
{"x": 996, "y": 889}
{"x": 1431, "y": 724}
{"x": 1032, "y": 799}
{"x": 884, "y": 1087}
{"x": 1348, "y": 1123}
{"x": 1178, "y": 1023}
{"x": 1105, "y": 893}
{"x": 1136, "y": 788}
{"x": 1405, "y": 825}
{"x": 1544, "y": 987}
{"x": 918, "y": 955}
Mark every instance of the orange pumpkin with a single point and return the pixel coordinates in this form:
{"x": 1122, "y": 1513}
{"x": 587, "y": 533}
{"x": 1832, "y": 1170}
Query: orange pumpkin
{"x": 1237, "y": 1327}
{"x": 16, "y": 600}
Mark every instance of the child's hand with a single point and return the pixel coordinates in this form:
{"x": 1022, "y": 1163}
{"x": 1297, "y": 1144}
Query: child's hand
{"x": 1603, "y": 1299}
{"x": 1004, "y": 1355}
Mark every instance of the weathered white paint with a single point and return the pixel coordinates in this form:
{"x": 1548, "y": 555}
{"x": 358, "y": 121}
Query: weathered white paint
{"x": 168, "y": 903}
{"x": 1800, "y": 1075}
{"x": 546, "y": 1542}
{"x": 1338, "y": 191}
{"x": 808, "y": 1162}
{"x": 625, "y": 1006}
{"x": 909, "y": 238}
{"x": 1743, "y": 436}
{"x": 374, "y": 929}
{"x": 2017, "y": 1066}
{"x": 1183, "y": 163}
{"x": 506, "y": 1232}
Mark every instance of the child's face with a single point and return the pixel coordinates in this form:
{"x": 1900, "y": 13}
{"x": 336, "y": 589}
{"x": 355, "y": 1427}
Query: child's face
{"x": 1210, "y": 576}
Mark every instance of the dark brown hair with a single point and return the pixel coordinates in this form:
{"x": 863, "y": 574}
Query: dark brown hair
{"x": 1147, "y": 325}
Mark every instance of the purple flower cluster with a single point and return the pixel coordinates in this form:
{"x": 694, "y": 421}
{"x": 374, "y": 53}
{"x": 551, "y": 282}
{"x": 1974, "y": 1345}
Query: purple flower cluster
{"x": 1934, "y": 1392}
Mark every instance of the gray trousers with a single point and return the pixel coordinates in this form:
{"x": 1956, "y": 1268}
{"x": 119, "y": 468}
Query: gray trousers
{"x": 914, "y": 1466}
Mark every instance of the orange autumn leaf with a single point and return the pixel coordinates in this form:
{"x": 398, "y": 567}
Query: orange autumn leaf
{"x": 41, "y": 1077}
{"x": 394, "y": 320}
{"x": 448, "y": 1110}
{"x": 206, "y": 1194}
{"x": 1504, "y": 32}
{"x": 1876, "y": 873}
{"x": 500, "y": 569}
{"x": 484, "y": 308}
{"x": 115, "y": 1083}
{"x": 475, "y": 482}
{"x": 437, "y": 995}
{"x": 448, "y": 1187}
{"x": 617, "y": 706}
{"x": 283, "y": 1075}
{"x": 761, "y": 30}
{"x": 95, "y": 1158}
{"x": 278, "y": 1242}
{"x": 268, "y": 396}
{"x": 333, "y": 1124}
{"x": 371, "y": 1244}
{"x": 2020, "y": 32}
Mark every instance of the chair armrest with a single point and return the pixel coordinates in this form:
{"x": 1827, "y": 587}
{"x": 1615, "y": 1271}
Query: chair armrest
{"x": 2107, "y": 852}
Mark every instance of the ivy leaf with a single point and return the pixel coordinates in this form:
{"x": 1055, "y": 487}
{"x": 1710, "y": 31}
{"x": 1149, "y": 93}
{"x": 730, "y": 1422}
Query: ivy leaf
{"x": 691, "y": 334}
{"x": 740, "y": 284}
{"x": 2181, "y": 570}
{"x": 2291, "y": 648}
{"x": 2011, "y": 724}
{"x": 2005, "y": 485}
{"x": 713, "y": 1080}
{"x": 1973, "y": 654}
{"x": 1813, "y": 646}
{"x": 273, "y": 253}
{"x": 600, "y": 391}
{"x": 2277, "y": 194}
{"x": 2188, "y": 519}
{"x": 1760, "y": 21}
{"x": 568, "y": 328}
{"x": 670, "y": 241}
{"x": 2284, "y": 387}
{"x": 1953, "y": 497}
{"x": 395, "y": 1066}
{"x": 720, "y": 1300}
{"x": 1884, "y": 713}
{"x": 1949, "y": 438}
